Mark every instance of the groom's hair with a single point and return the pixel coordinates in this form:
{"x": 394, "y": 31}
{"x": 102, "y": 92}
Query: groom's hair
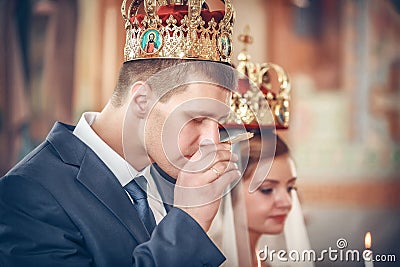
{"x": 165, "y": 75}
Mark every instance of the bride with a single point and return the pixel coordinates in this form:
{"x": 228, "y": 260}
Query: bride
{"x": 262, "y": 205}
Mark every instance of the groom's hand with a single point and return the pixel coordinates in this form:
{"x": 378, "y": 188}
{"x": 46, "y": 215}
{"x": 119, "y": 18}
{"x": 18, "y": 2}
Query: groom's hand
{"x": 203, "y": 180}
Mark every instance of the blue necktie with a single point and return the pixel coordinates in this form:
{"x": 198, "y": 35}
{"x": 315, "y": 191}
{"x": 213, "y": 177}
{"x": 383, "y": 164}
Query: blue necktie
{"x": 141, "y": 204}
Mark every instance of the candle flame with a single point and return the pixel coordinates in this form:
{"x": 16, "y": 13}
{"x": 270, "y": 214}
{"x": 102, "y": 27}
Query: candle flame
{"x": 368, "y": 240}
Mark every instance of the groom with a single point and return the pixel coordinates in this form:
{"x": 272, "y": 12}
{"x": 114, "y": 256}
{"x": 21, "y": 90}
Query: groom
{"x": 85, "y": 197}
{"x": 65, "y": 203}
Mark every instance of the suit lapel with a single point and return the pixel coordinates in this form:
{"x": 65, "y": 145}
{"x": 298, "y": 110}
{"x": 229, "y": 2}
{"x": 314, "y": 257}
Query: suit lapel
{"x": 98, "y": 179}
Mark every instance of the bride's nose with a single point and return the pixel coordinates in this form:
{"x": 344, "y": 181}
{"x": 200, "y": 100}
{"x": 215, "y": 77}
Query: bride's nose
{"x": 283, "y": 199}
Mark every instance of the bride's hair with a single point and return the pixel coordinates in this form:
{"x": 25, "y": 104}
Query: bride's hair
{"x": 261, "y": 148}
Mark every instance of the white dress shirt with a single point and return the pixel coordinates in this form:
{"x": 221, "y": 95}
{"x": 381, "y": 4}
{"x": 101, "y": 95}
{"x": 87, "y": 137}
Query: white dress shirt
{"x": 118, "y": 165}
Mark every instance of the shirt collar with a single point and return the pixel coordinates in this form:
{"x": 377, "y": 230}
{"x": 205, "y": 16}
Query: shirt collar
{"x": 118, "y": 165}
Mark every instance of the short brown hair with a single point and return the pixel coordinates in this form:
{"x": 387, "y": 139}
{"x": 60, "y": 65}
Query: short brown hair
{"x": 163, "y": 75}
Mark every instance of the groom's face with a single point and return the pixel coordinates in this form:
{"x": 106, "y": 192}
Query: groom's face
{"x": 176, "y": 127}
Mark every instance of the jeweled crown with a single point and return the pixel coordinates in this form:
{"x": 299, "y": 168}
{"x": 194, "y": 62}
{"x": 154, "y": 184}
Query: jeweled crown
{"x": 177, "y": 29}
{"x": 256, "y": 104}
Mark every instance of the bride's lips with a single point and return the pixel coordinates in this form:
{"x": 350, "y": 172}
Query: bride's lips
{"x": 279, "y": 218}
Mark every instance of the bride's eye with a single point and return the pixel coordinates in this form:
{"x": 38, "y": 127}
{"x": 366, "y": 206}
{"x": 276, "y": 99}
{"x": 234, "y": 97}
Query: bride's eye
{"x": 290, "y": 188}
{"x": 266, "y": 191}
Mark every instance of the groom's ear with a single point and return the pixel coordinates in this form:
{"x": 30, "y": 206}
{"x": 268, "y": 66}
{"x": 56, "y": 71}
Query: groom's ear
{"x": 140, "y": 99}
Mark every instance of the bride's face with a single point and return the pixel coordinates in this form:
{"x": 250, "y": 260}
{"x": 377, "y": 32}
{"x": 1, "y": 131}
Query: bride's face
{"x": 268, "y": 206}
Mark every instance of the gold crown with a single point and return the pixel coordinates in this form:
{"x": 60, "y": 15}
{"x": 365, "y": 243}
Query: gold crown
{"x": 255, "y": 104}
{"x": 177, "y": 29}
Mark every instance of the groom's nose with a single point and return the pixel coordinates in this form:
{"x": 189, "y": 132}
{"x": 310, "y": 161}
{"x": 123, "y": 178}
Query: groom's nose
{"x": 209, "y": 131}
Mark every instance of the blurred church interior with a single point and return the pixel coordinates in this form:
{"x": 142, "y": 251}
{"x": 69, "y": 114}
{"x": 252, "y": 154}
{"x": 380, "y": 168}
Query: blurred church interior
{"x": 61, "y": 58}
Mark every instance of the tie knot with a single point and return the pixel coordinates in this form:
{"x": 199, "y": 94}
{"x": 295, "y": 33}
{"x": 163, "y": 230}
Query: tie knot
{"x": 135, "y": 188}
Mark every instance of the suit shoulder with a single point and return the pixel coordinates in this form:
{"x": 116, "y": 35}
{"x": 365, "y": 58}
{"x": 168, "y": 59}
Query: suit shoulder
{"x": 40, "y": 164}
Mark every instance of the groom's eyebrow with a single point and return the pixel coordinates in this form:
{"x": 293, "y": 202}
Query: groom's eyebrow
{"x": 205, "y": 114}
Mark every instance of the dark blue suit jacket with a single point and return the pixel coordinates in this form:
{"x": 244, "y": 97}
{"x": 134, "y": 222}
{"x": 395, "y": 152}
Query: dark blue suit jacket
{"x": 61, "y": 206}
